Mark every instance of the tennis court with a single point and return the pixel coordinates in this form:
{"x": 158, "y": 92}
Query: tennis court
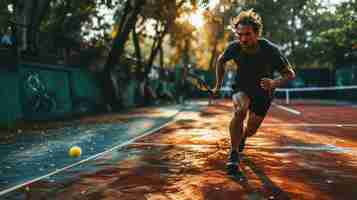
{"x": 309, "y": 147}
{"x": 307, "y": 154}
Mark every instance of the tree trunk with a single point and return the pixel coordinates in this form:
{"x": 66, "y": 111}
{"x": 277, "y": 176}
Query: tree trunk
{"x": 138, "y": 54}
{"x": 186, "y": 56}
{"x": 155, "y": 49}
{"x": 39, "y": 10}
{"x": 117, "y": 50}
{"x": 30, "y": 18}
{"x": 213, "y": 55}
{"x": 29, "y": 15}
{"x": 22, "y": 13}
{"x": 293, "y": 28}
{"x": 161, "y": 56}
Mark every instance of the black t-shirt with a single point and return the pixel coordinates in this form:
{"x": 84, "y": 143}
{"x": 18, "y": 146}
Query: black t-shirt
{"x": 253, "y": 67}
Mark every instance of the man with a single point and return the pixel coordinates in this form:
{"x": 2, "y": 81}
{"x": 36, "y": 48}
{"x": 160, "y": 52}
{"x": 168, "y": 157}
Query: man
{"x": 256, "y": 59}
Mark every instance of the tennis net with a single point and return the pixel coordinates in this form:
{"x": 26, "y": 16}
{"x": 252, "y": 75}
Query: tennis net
{"x": 318, "y": 95}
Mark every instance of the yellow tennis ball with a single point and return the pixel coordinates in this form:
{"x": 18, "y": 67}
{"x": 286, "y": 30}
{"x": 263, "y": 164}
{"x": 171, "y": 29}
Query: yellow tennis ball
{"x": 75, "y": 151}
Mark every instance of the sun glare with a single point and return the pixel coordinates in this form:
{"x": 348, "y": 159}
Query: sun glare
{"x": 196, "y": 19}
{"x": 213, "y": 4}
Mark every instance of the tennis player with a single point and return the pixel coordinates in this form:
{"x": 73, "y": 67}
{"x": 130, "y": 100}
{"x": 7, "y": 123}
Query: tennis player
{"x": 256, "y": 59}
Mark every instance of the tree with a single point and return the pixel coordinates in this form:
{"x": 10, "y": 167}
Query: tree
{"x": 162, "y": 12}
{"x": 339, "y": 34}
{"x": 128, "y": 21}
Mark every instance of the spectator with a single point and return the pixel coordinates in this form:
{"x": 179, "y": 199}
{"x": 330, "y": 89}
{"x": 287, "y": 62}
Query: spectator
{"x": 167, "y": 90}
{"x": 148, "y": 94}
{"x": 6, "y": 39}
{"x": 182, "y": 85}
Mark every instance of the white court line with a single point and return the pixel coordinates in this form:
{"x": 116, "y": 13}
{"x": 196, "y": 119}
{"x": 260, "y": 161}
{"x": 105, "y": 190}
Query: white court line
{"x": 306, "y": 125}
{"x": 322, "y": 147}
{"x": 167, "y": 144}
{"x": 328, "y": 147}
{"x": 287, "y": 109}
{"x": 84, "y": 160}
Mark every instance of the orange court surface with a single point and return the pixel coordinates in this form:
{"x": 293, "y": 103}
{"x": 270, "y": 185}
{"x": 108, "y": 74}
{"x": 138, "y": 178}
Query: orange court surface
{"x": 305, "y": 152}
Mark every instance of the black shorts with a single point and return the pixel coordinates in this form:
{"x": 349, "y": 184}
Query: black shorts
{"x": 259, "y": 105}
{"x": 259, "y": 102}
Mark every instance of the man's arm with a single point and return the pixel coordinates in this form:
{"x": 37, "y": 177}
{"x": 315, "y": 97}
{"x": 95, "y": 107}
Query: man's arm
{"x": 287, "y": 75}
{"x": 219, "y": 73}
{"x": 229, "y": 53}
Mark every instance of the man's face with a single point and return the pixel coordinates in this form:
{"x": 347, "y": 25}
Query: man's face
{"x": 248, "y": 38}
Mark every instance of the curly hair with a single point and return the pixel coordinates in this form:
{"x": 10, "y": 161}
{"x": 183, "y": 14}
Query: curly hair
{"x": 248, "y": 17}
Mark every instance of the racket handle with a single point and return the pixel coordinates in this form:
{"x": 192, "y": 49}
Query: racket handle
{"x": 212, "y": 94}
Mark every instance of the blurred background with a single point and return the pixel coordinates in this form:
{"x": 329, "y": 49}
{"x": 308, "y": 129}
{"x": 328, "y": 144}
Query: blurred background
{"x": 63, "y": 58}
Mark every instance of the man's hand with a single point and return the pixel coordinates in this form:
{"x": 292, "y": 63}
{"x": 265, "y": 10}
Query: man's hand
{"x": 215, "y": 91}
{"x": 267, "y": 83}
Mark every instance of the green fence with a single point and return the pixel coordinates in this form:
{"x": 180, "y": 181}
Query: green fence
{"x": 10, "y": 106}
{"x": 346, "y": 76}
{"x": 42, "y": 92}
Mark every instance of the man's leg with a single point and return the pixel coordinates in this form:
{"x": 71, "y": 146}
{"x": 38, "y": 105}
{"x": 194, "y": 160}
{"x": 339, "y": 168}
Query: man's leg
{"x": 241, "y": 104}
{"x": 242, "y": 144}
{"x": 254, "y": 122}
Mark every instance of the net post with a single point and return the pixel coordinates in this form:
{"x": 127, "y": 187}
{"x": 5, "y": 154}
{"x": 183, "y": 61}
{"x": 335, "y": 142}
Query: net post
{"x": 287, "y": 96}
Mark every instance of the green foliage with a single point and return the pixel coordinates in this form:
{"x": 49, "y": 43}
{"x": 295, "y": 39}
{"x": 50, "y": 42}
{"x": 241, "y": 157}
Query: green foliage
{"x": 332, "y": 41}
{"x": 5, "y": 15}
{"x": 309, "y": 32}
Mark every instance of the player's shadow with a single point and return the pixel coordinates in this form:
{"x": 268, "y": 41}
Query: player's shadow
{"x": 271, "y": 189}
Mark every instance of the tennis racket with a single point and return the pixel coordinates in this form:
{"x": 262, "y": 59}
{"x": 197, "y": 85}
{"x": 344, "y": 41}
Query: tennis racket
{"x": 199, "y": 83}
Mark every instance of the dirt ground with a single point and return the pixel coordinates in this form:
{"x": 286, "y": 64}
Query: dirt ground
{"x": 186, "y": 160}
